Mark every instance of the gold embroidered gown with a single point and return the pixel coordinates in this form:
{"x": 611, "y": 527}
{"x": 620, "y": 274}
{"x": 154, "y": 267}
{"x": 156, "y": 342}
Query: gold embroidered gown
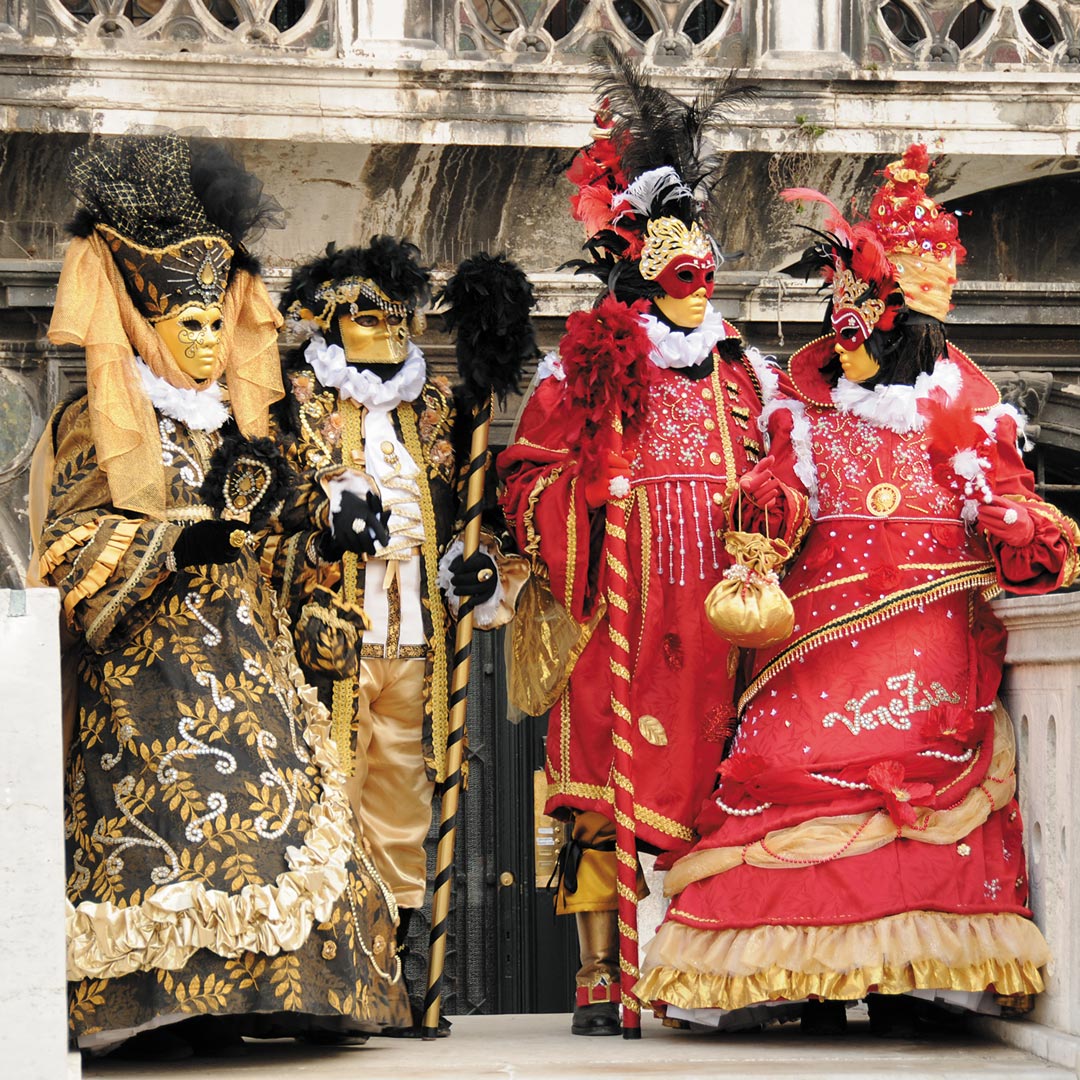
{"x": 212, "y": 863}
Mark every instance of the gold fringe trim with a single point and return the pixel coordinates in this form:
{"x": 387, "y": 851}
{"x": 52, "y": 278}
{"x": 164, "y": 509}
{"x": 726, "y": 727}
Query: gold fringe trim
{"x": 916, "y": 950}
{"x": 168, "y": 928}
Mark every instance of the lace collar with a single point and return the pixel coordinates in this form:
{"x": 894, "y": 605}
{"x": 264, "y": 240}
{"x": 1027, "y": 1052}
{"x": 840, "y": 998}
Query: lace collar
{"x": 675, "y": 349}
{"x": 198, "y": 410}
{"x": 363, "y": 386}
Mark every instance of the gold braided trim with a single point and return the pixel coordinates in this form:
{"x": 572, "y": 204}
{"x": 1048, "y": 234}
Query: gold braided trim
{"x": 626, "y": 858}
{"x": 164, "y": 931}
{"x": 620, "y": 743}
{"x": 627, "y": 893}
{"x": 620, "y": 670}
{"x": 624, "y": 820}
{"x": 100, "y": 626}
{"x": 1069, "y": 531}
{"x": 870, "y": 615}
{"x": 645, "y": 522}
{"x": 619, "y": 640}
{"x": 95, "y": 579}
{"x": 915, "y": 950}
{"x": 341, "y": 715}
{"x": 620, "y": 710}
{"x": 622, "y": 781}
{"x": 724, "y": 428}
{"x": 849, "y": 580}
{"x": 662, "y": 823}
{"x": 615, "y": 530}
{"x": 618, "y": 567}
{"x": 615, "y": 600}
{"x": 848, "y": 835}
{"x": 532, "y": 537}
{"x": 571, "y": 546}
{"x": 440, "y": 684}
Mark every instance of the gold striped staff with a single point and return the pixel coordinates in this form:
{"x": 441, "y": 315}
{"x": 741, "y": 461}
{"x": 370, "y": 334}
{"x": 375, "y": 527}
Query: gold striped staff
{"x": 488, "y": 303}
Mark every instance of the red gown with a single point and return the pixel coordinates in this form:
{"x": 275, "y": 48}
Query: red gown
{"x": 699, "y": 436}
{"x": 865, "y": 833}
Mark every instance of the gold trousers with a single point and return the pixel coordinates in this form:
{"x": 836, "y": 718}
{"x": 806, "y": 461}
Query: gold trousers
{"x": 389, "y": 789}
{"x": 597, "y": 871}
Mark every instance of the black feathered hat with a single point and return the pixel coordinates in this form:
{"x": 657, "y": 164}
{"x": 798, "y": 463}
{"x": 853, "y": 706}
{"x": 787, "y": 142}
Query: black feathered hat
{"x": 175, "y": 213}
{"x": 386, "y": 275}
{"x": 645, "y": 183}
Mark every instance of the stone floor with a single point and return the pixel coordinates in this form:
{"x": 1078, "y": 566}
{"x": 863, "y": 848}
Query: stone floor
{"x": 540, "y": 1047}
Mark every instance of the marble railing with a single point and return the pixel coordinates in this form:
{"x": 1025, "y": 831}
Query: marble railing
{"x": 1042, "y": 693}
{"x": 862, "y": 35}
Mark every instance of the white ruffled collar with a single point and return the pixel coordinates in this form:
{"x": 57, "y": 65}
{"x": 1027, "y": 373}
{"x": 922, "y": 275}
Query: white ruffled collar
{"x": 364, "y": 386}
{"x": 897, "y": 407}
{"x": 198, "y": 410}
{"x": 676, "y": 349}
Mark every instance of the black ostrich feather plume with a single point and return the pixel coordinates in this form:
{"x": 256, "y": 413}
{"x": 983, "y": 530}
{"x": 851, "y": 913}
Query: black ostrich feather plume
{"x": 661, "y": 129}
{"x": 487, "y": 306}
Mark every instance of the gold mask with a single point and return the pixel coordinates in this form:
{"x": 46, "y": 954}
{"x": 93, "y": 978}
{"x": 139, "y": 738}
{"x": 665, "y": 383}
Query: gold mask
{"x": 858, "y": 365}
{"x": 192, "y": 336}
{"x": 374, "y": 336}
{"x": 688, "y": 312}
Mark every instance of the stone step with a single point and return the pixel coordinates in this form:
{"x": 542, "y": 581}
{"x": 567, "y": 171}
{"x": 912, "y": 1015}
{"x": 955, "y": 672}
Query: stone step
{"x": 540, "y": 1047}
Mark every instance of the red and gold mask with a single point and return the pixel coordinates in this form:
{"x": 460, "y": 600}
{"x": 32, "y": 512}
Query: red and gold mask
{"x": 856, "y": 310}
{"x": 679, "y": 258}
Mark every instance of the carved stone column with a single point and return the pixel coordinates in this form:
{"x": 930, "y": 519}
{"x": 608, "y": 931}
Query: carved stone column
{"x": 800, "y": 36}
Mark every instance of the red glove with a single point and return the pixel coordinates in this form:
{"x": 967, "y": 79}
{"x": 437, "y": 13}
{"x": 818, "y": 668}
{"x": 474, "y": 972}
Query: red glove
{"x": 1007, "y": 521}
{"x": 760, "y": 486}
{"x": 598, "y": 489}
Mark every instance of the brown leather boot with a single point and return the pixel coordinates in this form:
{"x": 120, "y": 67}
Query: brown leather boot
{"x": 596, "y": 1007}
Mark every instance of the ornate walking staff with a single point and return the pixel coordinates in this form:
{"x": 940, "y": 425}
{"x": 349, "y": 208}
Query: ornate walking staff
{"x": 605, "y": 357}
{"x": 488, "y": 303}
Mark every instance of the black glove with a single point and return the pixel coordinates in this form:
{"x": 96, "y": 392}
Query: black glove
{"x": 207, "y": 543}
{"x": 360, "y": 524}
{"x": 476, "y": 576}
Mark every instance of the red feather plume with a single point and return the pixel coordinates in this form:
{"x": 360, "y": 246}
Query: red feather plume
{"x": 605, "y": 355}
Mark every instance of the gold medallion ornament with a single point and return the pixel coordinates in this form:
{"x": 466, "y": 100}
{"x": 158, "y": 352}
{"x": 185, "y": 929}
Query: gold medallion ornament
{"x": 883, "y": 499}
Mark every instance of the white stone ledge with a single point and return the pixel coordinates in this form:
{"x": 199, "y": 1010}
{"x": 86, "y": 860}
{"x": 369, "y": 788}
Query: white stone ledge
{"x": 440, "y": 101}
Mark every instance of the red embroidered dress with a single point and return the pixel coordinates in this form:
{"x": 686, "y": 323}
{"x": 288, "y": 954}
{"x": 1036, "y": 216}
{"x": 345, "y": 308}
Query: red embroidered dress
{"x": 865, "y": 832}
{"x": 698, "y": 437}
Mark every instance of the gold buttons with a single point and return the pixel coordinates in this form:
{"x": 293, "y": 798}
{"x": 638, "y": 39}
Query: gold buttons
{"x": 710, "y": 425}
{"x": 715, "y": 458}
{"x": 387, "y": 446}
{"x": 706, "y": 393}
{"x": 718, "y": 498}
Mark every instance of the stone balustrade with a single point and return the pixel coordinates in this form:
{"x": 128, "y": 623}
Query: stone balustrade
{"x": 1042, "y": 693}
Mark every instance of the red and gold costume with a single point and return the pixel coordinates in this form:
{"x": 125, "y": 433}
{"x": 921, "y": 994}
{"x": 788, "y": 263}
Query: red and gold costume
{"x": 865, "y": 835}
{"x": 697, "y": 438}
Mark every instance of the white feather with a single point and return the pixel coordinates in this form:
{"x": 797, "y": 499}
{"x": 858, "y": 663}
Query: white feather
{"x": 640, "y": 197}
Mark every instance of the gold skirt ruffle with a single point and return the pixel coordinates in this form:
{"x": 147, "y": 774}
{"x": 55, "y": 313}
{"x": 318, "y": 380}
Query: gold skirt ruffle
{"x": 731, "y": 969}
{"x": 164, "y": 931}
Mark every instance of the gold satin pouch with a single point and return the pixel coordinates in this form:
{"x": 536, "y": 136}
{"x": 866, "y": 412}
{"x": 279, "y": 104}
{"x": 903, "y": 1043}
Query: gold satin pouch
{"x": 747, "y": 606}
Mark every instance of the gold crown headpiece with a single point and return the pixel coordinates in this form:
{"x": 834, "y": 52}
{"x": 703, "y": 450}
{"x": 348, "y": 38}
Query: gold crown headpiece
{"x": 348, "y": 293}
{"x": 667, "y": 238}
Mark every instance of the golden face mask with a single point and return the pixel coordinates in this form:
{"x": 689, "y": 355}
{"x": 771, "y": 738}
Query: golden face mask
{"x": 192, "y": 336}
{"x": 858, "y": 365}
{"x": 687, "y": 311}
{"x": 374, "y": 336}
